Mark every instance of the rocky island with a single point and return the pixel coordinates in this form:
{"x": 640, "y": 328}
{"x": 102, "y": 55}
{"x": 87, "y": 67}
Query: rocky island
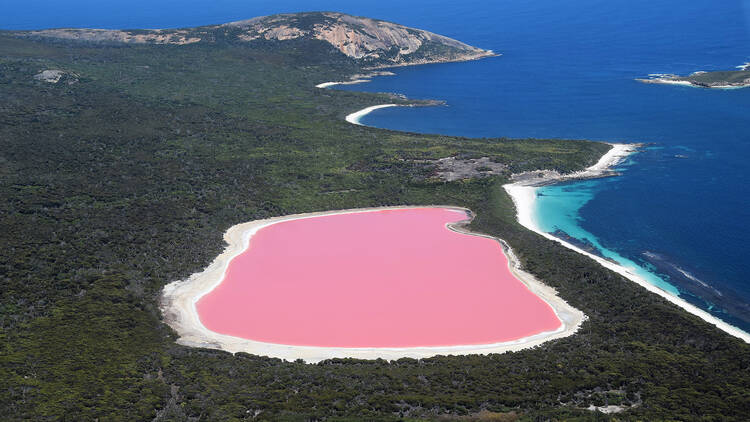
{"x": 719, "y": 79}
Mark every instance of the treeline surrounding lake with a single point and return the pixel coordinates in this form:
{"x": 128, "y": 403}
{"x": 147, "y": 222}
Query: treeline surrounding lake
{"x": 124, "y": 175}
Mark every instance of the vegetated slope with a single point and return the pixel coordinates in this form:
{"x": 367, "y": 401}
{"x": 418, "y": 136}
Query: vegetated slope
{"x": 371, "y": 42}
{"x": 737, "y": 78}
{"x": 123, "y": 174}
{"x": 716, "y": 79}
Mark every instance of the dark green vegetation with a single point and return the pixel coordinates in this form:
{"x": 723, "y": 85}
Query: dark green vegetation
{"x": 718, "y": 79}
{"x": 373, "y": 43}
{"x": 723, "y": 78}
{"x": 125, "y": 180}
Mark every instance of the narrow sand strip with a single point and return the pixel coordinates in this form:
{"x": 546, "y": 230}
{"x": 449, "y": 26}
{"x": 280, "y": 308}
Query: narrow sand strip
{"x": 523, "y": 194}
{"x": 356, "y": 79}
{"x": 178, "y": 305}
{"x": 357, "y": 115}
{"x": 352, "y": 82}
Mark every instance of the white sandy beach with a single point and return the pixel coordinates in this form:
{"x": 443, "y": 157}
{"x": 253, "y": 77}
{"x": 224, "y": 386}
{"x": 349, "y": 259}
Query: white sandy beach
{"x": 357, "y": 115}
{"x": 356, "y": 79}
{"x": 352, "y": 82}
{"x": 178, "y": 305}
{"x": 523, "y": 194}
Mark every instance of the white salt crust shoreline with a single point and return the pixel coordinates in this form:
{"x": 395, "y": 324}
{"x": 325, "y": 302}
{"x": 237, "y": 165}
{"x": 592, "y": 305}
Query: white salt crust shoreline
{"x": 523, "y": 194}
{"x": 178, "y": 305}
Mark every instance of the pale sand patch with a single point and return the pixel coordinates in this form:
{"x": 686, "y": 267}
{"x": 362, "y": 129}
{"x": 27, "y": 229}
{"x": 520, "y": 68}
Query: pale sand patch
{"x": 352, "y": 82}
{"x": 607, "y": 409}
{"x": 178, "y": 305}
{"x": 523, "y": 194}
{"x": 355, "y": 117}
{"x": 356, "y": 79}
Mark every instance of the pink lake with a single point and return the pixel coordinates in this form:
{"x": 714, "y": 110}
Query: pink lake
{"x": 385, "y": 278}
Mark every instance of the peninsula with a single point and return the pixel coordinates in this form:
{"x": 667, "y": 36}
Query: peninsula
{"x": 373, "y": 43}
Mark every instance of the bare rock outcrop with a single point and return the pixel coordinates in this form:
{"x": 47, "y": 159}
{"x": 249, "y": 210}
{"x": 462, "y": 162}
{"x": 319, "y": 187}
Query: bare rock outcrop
{"x": 717, "y": 79}
{"x": 54, "y": 76}
{"x": 373, "y": 43}
{"x": 368, "y": 40}
{"x": 456, "y": 168}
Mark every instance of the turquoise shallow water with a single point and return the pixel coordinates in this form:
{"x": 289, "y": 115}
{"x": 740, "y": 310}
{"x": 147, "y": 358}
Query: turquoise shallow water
{"x": 557, "y": 211}
{"x": 680, "y": 209}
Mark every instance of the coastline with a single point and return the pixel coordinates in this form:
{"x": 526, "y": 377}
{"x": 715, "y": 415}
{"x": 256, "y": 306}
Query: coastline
{"x": 679, "y": 80}
{"x": 356, "y": 79}
{"x": 667, "y": 81}
{"x": 352, "y": 82}
{"x": 376, "y": 70}
{"x": 466, "y": 58}
{"x": 355, "y": 117}
{"x": 179, "y": 298}
{"x": 523, "y": 193}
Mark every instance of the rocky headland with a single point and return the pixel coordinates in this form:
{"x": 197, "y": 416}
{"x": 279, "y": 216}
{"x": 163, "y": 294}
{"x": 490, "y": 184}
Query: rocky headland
{"x": 720, "y": 79}
{"x": 371, "y": 43}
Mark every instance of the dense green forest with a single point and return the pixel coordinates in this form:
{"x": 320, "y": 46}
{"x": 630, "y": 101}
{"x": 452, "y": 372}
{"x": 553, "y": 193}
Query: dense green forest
{"x": 124, "y": 175}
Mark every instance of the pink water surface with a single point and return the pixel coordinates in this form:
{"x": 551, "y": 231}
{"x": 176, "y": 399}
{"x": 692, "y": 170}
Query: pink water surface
{"x": 387, "y": 278}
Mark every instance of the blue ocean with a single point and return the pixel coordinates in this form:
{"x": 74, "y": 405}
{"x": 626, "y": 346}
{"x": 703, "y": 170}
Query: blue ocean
{"x": 679, "y": 211}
